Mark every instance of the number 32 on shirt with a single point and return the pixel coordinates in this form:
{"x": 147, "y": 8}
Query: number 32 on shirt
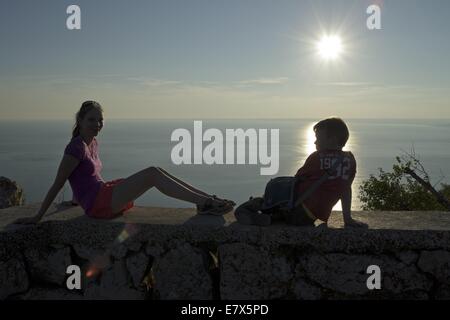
{"x": 341, "y": 171}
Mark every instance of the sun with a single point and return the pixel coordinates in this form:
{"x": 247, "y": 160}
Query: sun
{"x": 329, "y": 47}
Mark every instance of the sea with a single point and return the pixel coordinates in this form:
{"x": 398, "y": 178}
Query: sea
{"x": 30, "y": 152}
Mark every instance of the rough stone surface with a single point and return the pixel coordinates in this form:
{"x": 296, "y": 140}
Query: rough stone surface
{"x": 119, "y": 251}
{"x": 114, "y": 285}
{"x": 436, "y": 263}
{"x": 101, "y": 292}
{"x": 154, "y": 250}
{"x": 13, "y": 277}
{"x": 138, "y": 265}
{"x": 115, "y": 275}
{"x": 134, "y": 246}
{"x": 399, "y": 278}
{"x": 11, "y": 194}
{"x": 87, "y": 253}
{"x": 347, "y": 274}
{"x": 181, "y": 274}
{"x": 408, "y": 257}
{"x": 443, "y": 292}
{"x": 48, "y": 265}
{"x": 303, "y": 290}
{"x": 201, "y": 257}
{"x": 249, "y": 272}
{"x": 337, "y": 272}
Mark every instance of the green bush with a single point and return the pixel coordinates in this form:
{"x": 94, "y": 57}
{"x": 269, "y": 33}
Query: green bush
{"x": 397, "y": 191}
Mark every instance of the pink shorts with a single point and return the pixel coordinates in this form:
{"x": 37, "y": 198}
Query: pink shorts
{"x": 102, "y": 204}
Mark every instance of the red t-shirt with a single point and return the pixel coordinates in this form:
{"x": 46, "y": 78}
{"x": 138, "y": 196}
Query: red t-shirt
{"x": 323, "y": 199}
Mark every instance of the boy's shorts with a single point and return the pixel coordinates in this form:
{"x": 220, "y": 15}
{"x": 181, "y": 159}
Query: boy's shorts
{"x": 102, "y": 204}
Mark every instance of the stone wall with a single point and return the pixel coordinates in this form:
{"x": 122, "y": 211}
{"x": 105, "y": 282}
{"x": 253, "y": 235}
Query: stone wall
{"x": 123, "y": 260}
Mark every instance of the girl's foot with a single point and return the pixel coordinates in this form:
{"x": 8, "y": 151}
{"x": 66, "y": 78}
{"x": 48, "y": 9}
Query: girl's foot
{"x": 215, "y": 206}
{"x": 230, "y": 202}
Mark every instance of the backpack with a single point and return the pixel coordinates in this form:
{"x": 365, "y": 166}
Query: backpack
{"x": 280, "y": 194}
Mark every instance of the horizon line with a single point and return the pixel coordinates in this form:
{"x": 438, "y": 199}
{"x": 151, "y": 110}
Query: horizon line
{"x": 225, "y": 118}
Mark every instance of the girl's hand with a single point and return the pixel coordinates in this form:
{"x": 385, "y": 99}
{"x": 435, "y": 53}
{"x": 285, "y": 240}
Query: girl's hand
{"x": 28, "y": 220}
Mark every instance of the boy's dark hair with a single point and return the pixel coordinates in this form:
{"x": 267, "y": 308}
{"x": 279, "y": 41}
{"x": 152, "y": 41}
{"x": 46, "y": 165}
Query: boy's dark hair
{"x": 334, "y": 127}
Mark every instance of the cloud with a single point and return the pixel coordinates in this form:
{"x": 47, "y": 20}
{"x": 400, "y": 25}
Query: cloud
{"x": 153, "y": 82}
{"x": 159, "y": 83}
{"x": 371, "y": 90}
{"x": 263, "y": 81}
{"x": 345, "y": 84}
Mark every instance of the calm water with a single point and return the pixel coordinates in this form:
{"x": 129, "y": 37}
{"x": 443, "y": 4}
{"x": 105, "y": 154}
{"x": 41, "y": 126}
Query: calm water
{"x": 30, "y": 153}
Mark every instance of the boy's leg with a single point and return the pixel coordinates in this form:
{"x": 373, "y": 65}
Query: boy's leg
{"x": 298, "y": 217}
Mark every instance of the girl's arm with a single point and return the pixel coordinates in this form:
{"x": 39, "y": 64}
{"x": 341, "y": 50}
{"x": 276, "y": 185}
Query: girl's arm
{"x": 66, "y": 167}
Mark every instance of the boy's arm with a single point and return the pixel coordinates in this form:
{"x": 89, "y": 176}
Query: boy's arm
{"x": 346, "y": 201}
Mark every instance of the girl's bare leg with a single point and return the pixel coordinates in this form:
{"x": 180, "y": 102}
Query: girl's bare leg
{"x": 193, "y": 188}
{"x": 190, "y": 187}
{"x": 135, "y": 185}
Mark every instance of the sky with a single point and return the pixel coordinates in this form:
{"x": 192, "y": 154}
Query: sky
{"x": 202, "y": 59}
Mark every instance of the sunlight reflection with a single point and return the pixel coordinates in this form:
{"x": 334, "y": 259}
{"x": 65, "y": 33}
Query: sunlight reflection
{"x": 305, "y": 146}
{"x": 310, "y": 147}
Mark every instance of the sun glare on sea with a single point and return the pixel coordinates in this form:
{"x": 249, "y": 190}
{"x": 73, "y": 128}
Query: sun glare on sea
{"x": 310, "y": 146}
{"x": 329, "y": 47}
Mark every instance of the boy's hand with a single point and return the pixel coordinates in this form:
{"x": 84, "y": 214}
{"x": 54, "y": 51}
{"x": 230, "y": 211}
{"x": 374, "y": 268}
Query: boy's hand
{"x": 351, "y": 223}
{"x": 28, "y": 220}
